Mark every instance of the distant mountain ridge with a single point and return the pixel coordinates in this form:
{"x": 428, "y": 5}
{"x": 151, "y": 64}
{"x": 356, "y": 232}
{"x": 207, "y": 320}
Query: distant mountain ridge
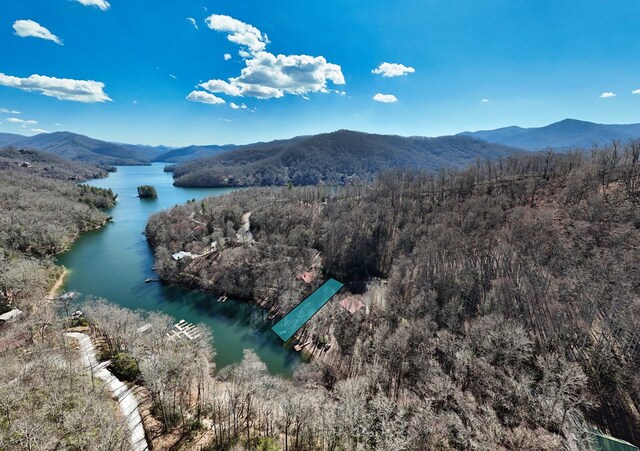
{"x": 75, "y": 147}
{"x": 563, "y": 135}
{"x": 335, "y": 158}
{"x": 191, "y": 152}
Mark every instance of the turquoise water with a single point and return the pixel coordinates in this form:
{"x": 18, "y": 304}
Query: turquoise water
{"x": 114, "y": 262}
{"x": 296, "y": 318}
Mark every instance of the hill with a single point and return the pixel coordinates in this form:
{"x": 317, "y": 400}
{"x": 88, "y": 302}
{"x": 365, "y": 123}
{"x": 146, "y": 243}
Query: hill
{"x": 8, "y": 138}
{"x": 500, "y": 302}
{"x": 81, "y": 148}
{"x": 191, "y": 152}
{"x": 47, "y": 165}
{"x": 563, "y": 135}
{"x": 334, "y": 158}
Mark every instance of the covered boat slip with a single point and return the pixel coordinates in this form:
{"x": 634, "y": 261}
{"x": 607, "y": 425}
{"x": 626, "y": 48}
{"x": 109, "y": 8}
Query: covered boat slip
{"x": 296, "y": 318}
{"x": 603, "y": 442}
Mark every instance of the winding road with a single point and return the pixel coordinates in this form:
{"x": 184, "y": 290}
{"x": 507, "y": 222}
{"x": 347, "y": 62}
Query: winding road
{"x": 126, "y": 400}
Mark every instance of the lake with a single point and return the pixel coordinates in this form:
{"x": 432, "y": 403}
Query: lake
{"x": 113, "y": 263}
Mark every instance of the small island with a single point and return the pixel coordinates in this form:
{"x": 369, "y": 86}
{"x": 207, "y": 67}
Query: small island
{"x": 147, "y": 192}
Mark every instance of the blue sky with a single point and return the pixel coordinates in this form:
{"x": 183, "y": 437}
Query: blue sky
{"x": 127, "y": 72}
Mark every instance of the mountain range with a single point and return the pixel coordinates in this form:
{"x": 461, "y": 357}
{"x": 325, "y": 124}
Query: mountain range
{"x": 103, "y": 153}
{"x": 332, "y": 158}
{"x": 360, "y": 153}
{"x": 563, "y": 135}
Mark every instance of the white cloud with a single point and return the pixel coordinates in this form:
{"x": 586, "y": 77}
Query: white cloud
{"x": 57, "y": 124}
{"x": 29, "y": 28}
{"x": 15, "y": 120}
{"x": 485, "y": 100}
{"x": 238, "y": 107}
{"x": 193, "y": 22}
{"x": 393, "y": 70}
{"x": 606, "y": 95}
{"x": 205, "y": 97}
{"x": 266, "y": 75}
{"x": 227, "y": 56}
{"x": 39, "y": 130}
{"x": 239, "y": 32}
{"x": 86, "y": 91}
{"x": 173, "y": 76}
{"x": 385, "y": 98}
{"x": 102, "y": 4}
{"x": 6, "y": 111}
{"x": 635, "y": 91}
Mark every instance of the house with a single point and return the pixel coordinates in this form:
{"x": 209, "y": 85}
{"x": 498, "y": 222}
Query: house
{"x": 182, "y": 254}
{"x": 352, "y": 304}
{"x": 10, "y": 315}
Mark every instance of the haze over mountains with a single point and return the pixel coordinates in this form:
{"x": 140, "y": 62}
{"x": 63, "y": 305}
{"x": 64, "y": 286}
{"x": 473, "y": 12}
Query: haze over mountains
{"x": 563, "y": 135}
{"x": 327, "y": 156}
{"x": 333, "y": 158}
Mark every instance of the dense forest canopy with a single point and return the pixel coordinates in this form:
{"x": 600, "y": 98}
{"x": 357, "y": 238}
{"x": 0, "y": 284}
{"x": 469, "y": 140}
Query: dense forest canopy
{"x": 48, "y": 165}
{"x": 147, "y": 192}
{"x": 41, "y": 214}
{"x": 342, "y": 157}
{"x": 500, "y": 300}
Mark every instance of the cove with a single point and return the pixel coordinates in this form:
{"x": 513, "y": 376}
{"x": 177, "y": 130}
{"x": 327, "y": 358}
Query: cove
{"x": 114, "y": 261}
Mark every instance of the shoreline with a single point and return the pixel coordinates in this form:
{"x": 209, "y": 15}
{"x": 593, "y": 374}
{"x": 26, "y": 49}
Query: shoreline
{"x": 57, "y": 285}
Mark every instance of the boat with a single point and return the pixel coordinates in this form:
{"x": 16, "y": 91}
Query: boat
{"x": 68, "y": 296}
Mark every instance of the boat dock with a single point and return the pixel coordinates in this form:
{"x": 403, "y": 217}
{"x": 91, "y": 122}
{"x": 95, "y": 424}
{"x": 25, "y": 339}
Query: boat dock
{"x": 183, "y": 329}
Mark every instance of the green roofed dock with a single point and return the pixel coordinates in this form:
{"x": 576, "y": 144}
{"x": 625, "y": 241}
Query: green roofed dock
{"x": 303, "y": 312}
{"x": 603, "y": 442}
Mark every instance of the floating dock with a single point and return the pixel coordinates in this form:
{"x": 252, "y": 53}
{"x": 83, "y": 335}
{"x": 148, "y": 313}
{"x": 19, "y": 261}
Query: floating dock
{"x": 183, "y": 329}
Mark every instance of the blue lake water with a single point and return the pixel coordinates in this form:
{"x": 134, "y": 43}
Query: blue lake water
{"x": 113, "y": 263}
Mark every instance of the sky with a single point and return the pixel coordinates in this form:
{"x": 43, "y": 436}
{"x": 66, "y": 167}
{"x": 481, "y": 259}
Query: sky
{"x": 239, "y": 71}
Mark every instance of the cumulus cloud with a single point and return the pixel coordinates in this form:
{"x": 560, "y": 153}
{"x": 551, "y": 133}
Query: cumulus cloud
{"x": 238, "y": 107}
{"x": 485, "y": 101}
{"x": 635, "y": 91}
{"x": 15, "y": 120}
{"x": 385, "y": 98}
{"x": 606, "y": 95}
{"x": 266, "y": 75}
{"x": 227, "y": 56}
{"x": 86, "y": 91}
{"x": 193, "y": 22}
{"x": 29, "y": 28}
{"x": 238, "y": 32}
{"x": 39, "y": 130}
{"x": 393, "y": 70}
{"x": 205, "y": 97}
{"x": 6, "y": 111}
{"x": 102, "y": 4}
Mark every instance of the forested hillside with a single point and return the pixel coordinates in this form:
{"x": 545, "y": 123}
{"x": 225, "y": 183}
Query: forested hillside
{"x": 564, "y": 135}
{"x": 40, "y": 217}
{"x": 342, "y": 157}
{"x": 29, "y": 161}
{"x": 73, "y": 146}
{"x": 190, "y": 153}
{"x": 47, "y": 399}
{"x": 500, "y": 301}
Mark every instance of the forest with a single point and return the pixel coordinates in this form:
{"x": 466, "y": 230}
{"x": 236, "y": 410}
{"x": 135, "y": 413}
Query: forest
{"x": 499, "y": 302}
{"x": 41, "y": 214}
{"x": 499, "y": 305}
{"x": 46, "y": 397}
{"x": 341, "y": 157}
